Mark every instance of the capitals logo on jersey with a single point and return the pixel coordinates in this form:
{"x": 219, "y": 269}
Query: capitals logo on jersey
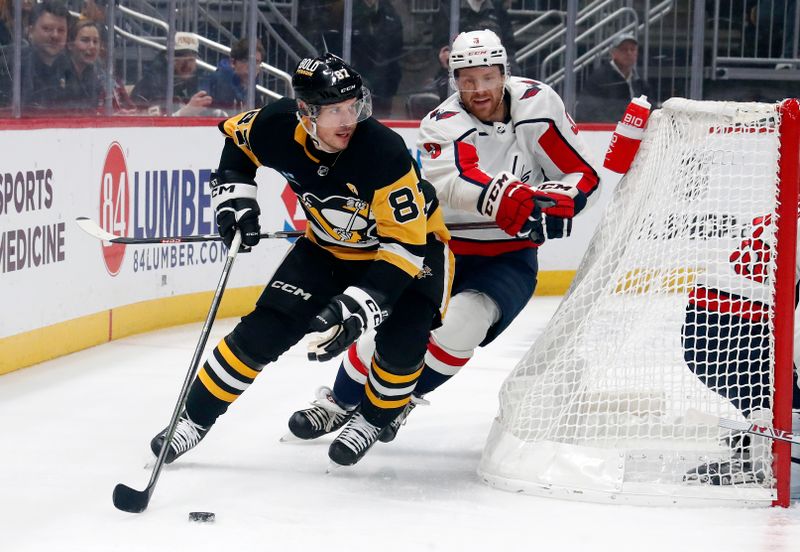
{"x": 344, "y": 219}
{"x": 438, "y": 114}
{"x": 531, "y": 91}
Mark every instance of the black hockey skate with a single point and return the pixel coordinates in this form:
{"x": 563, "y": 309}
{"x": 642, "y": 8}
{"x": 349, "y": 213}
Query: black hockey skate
{"x": 187, "y": 435}
{"x": 354, "y": 441}
{"x": 326, "y": 416}
{"x": 739, "y": 470}
{"x": 390, "y": 432}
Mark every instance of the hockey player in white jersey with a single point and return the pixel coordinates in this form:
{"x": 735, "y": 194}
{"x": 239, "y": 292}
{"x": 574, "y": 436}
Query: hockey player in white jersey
{"x": 725, "y": 339}
{"x": 501, "y": 148}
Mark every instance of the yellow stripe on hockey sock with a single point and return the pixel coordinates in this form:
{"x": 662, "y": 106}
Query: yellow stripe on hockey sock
{"x": 234, "y": 362}
{"x": 215, "y": 389}
{"x": 381, "y": 403}
{"x": 394, "y": 378}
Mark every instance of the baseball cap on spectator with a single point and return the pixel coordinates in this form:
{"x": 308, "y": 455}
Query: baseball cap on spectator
{"x": 622, "y": 37}
{"x": 186, "y": 44}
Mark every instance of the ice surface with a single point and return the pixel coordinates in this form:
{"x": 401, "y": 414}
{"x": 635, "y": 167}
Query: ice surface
{"x": 74, "y": 427}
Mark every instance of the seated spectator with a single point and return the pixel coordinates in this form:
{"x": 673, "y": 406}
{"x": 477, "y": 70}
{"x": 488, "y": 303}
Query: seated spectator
{"x": 44, "y": 62}
{"x": 6, "y": 21}
{"x": 86, "y": 74}
{"x": 149, "y": 94}
{"x": 84, "y": 80}
{"x": 609, "y": 88}
{"x": 228, "y": 84}
{"x": 376, "y": 50}
{"x": 441, "y": 81}
{"x": 769, "y": 32}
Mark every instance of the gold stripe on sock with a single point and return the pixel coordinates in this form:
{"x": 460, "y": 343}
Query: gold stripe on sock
{"x": 215, "y": 389}
{"x": 234, "y": 362}
{"x": 394, "y": 378}
{"x": 381, "y": 403}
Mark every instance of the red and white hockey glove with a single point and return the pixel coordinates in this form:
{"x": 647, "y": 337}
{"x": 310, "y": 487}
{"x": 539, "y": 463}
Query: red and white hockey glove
{"x": 346, "y": 317}
{"x": 515, "y": 207}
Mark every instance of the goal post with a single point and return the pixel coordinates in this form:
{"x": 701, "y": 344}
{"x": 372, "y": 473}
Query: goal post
{"x": 681, "y": 312}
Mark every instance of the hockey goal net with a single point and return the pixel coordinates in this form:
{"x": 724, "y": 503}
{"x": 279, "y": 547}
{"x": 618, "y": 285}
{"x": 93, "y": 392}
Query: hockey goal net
{"x": 605, "y": 405}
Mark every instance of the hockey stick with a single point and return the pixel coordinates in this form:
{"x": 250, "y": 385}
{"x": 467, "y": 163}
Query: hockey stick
{"x": 131, "y": 500}
{"x": 93, "y": 229}
{"x": 761, "y": 431}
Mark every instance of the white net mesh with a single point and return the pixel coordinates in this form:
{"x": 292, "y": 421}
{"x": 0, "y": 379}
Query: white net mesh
{"x": 604, "y": 403}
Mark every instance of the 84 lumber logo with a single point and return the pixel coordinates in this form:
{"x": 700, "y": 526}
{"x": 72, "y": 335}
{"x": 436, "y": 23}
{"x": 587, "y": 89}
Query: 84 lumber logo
{"x": 114, "y": 209}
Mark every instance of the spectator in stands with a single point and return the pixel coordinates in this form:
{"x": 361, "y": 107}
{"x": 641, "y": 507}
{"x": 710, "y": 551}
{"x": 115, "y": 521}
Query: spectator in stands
{"x": 770, "y": 29}
{"x": 228, "y": 84}
{"x": 475, "y": 15}
{"x": 6, "y": 21}
{"x": 441, "y": 80}
{"x": 84, "y": 76}
{"x": 188, "y": 99}
{"x": 376, "y": 50}
{"x": 44, "y": 62}
{"x": 610, "y": 87}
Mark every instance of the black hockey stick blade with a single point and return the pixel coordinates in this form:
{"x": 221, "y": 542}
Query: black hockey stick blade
{"x": 131, "y": 500}
{"x": 93, "y": 229}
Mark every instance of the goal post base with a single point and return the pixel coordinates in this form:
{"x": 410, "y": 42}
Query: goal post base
{"x": 598, "y": 475}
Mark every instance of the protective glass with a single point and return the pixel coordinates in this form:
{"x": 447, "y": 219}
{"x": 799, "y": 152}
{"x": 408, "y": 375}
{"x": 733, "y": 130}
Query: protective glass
{"x": 348, "y": 112}
{"x": 468, "y": 82}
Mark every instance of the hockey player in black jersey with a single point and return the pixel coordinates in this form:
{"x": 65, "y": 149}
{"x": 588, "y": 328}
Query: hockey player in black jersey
{"x": 374, "y": 255}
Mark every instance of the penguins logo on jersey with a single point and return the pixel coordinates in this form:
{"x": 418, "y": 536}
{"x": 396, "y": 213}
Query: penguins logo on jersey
{"x": 344, "y": 219}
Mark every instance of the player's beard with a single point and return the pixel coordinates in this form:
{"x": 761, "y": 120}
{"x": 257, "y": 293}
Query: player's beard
{"x": 487, "y": 107}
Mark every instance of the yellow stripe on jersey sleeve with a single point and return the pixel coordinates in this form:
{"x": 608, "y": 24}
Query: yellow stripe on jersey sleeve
{"x": 238, "y": 129}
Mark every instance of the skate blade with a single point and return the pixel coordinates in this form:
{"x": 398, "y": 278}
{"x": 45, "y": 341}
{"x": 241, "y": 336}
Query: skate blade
{"x": 290, "y": 437}
{"x": 333, "y": 467}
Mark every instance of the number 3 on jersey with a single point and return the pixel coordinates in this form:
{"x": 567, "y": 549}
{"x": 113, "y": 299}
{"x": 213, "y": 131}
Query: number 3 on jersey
{"x": 403, "y": 206}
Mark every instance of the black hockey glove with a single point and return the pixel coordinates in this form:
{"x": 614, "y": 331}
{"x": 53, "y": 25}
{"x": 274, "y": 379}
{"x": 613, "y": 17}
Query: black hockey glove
{"x": 346, "y": 317}
{"x": 233, "y": 196}
{"x": 567, "y": 202}
{"x": 557, "y": 227}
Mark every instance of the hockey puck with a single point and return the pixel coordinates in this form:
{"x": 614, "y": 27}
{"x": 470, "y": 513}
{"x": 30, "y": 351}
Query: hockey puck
{"x": 203, "y": 517}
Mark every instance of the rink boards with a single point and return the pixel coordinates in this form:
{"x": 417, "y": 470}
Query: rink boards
{"x": 144, "y": 178}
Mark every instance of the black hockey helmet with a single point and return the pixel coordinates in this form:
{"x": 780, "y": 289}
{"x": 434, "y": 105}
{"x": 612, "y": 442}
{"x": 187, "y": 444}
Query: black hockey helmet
{"x": 326, "y": 79}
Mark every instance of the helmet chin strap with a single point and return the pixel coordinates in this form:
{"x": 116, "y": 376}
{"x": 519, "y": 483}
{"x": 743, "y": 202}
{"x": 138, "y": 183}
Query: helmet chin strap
{"x": 313, "y": 133}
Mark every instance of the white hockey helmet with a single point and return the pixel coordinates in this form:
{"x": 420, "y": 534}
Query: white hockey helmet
{"x": 476, "y": 49}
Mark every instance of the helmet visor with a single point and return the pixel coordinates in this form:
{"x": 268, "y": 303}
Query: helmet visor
{"x": 471, "y": 81}
{"x": 345, "y": 113}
